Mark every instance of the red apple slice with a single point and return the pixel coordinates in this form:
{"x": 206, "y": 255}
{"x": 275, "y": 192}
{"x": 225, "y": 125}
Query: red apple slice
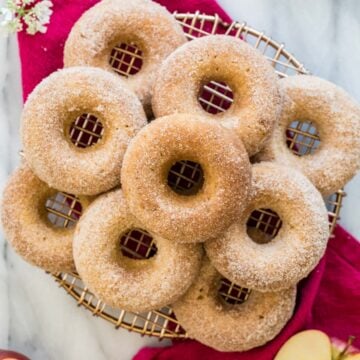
{"x": 11, "y": 355}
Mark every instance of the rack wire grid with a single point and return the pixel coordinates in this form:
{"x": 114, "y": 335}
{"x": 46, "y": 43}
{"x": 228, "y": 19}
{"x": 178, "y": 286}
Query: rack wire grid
{"x": 302, "y": 138}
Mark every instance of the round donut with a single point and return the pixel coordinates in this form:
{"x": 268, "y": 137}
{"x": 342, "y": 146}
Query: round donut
{"x": 27, "y": 228}
{"x": 225, "y": 327}
{"x": 46, "y": 122}
{"x": 221, "y": 58}
{"x": 222, "y": 196}
{"x": 295, "y": 250}
{"x": 132, "y": 285}
{"x": 144, "y": 23}
{"x": 337, "y": 119}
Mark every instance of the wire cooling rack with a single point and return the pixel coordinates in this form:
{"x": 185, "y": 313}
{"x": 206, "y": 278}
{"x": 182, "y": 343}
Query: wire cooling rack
{"x": 215, "y": 97}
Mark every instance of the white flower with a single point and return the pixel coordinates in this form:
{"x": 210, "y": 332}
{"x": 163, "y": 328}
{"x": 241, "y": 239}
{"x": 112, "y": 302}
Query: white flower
{"x": 35, "y": 14}
{"x": 32, "y": 24}
{"x": 43, "y": 11}
{"x": 19, "y": 4}
{"x": 9, "y": 23}
{"x": 38, "y": 16}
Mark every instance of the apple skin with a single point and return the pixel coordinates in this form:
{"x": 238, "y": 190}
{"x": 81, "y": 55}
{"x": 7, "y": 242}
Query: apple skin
{"x": 11, "y": 355}
{"x": 306, "y": 345}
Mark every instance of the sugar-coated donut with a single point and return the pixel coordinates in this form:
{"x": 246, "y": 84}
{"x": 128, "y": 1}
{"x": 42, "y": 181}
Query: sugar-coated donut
{"x": 226, "y": 59}
{"x": 225, "y": 327}
{"x": 46, "y": 121}
{"x": 219, "y": 201}
{"x": 133, "y": 285}
{"x": 295, "y": 250}
{"x": 337, "y": 119}
{"x": 144, "y": 23}
{"x": 27, "y": 227}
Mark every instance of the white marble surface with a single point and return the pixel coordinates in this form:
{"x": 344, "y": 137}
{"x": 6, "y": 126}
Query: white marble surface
{"x": 38, "y": 318}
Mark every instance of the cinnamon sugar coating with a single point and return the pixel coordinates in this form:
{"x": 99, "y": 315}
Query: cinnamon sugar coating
{"x": 337, "y": 119}
{"x": 27, "y": 228}
{"x": 221, "y": 58}
{"x": 299, "y": 244}
{"x": 225, "y": 327}
{"x": 47, "y": 117}
{"x": 111, "y": 22}
{"x": 132, "y": 285}
{"x": 220, "y": 200}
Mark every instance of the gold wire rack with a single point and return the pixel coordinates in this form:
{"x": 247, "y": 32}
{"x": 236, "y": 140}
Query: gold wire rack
{"x": 86, "y": 130}
{"x": 302, "y": 139}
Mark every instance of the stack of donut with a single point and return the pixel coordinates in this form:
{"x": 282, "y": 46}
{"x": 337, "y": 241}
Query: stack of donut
{"x": 122, "y": 180}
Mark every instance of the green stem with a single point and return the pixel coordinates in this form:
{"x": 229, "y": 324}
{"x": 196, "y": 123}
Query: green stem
{"x": 22, "y": 12}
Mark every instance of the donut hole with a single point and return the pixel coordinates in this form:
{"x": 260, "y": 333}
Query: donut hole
{"x": 302, "y": 137}
{"x": 137, "y": 244}
{"x": 86, "y": 130}
{"x": 215, "y": 97}
{"x": 185, "y": 177}
{"x": 231, "y": 293}
{"x": 263, "y": 225}
{"x": 63, "y": 210}
{"x": 126, "y": 59}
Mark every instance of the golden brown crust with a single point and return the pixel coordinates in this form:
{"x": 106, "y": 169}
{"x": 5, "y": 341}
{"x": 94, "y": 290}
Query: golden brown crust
{"x": 49, "y": 111}
{"x": 149, "y": 25}
{"x": 225, "y": 327}
{"x": 133, "y": 285}
{"x": 295, "y": 250}
{"x": 182, "y": 218}
{"x": 256, "y": 105}
{"x": 337, "y": 118}
{"x": 27, "y": 228}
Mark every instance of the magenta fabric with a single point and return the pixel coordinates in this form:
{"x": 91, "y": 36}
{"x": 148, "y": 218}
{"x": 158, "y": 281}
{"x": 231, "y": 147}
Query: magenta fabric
{"x": 329, "y": 299}
{"x": 43, "y": 53}
{"x": 337, "y": 305}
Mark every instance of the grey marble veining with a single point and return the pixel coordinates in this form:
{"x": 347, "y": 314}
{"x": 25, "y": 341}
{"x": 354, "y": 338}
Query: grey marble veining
{"x": 38, "y": 318}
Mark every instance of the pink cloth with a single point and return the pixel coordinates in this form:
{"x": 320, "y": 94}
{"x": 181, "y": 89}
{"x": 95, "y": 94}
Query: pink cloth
{"x": 336, "y": 310}
{"x": 328, "y": 299}
{"x": 42, "y": 54}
